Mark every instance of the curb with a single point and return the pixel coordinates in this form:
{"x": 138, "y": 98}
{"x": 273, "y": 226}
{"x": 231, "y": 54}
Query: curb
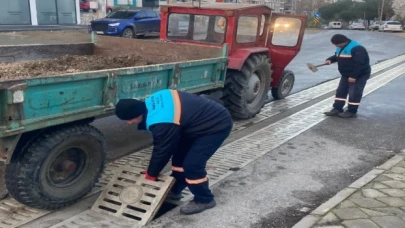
{"x": 309, "y": 220}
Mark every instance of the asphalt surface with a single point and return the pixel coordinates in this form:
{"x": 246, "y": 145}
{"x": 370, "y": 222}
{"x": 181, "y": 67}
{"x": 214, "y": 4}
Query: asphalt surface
{"x": 285, "y": 184}
{"x": 316, "y": 48}
{"x": 277, "y": 190}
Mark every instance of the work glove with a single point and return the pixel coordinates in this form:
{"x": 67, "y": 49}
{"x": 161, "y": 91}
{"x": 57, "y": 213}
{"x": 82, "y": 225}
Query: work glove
{"x": 147, "y": 177}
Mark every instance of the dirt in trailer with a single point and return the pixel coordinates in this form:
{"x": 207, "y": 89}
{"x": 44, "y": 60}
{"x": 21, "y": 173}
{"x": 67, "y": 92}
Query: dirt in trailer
{"x": 67, "y": 64}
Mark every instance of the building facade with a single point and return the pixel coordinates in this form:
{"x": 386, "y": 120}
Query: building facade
{"x": 39, "y": 12}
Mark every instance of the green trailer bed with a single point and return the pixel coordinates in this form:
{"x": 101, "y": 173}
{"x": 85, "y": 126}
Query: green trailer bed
{"x": 28, "y": 104}
{"x": 44, "y": 121}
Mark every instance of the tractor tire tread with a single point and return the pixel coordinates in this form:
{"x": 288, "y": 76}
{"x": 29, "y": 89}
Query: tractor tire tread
{"x": 23, "y": 187}
{"x": 236, "y": 82}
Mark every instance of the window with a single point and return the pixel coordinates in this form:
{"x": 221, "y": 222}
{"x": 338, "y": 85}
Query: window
{"x": 141, "y": 14}
{"x": 247, "y": 29}
{"x": 286, "y": 32}
{"x": 15, "y": 12}
{"x": 151, "y": 14}
{"x": 122, "y": 14}
{"x": 201, "y": 28}
{"x": 393, "y": 23}
{"x": 263, "y": 23}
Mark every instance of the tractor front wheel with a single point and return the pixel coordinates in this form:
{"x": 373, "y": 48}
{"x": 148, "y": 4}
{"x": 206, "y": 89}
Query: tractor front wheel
{"x": 58, "y": 168}
{"x": 245, "y": 91}
{"x": 285, "y": 86}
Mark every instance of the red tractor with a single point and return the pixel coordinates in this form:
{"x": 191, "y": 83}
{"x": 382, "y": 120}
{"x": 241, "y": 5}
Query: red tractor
{"x": 260, "y": 45}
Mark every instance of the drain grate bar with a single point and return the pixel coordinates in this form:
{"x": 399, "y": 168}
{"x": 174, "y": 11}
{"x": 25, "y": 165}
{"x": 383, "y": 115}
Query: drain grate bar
{"x": 131, "y": 197}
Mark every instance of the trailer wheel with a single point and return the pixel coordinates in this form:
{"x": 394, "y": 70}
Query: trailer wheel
{"x": 245, "y": 91}
{"x": 58, "y": 168}
{"x": 285, "y": 86}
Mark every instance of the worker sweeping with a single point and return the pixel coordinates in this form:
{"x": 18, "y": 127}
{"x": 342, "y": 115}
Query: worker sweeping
{"x": 186, "y": 127}
{"x": 354, "y": 66}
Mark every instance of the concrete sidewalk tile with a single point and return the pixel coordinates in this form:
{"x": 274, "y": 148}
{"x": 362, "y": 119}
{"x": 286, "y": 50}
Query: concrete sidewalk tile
{"x": 307, "y": 222}
{"x": 332, "y": 202}
{"x": 360, "y": 223}
{"x": 400, "y": 164}
{"x": 394, "y": 192}
{"x": 346, "y": 204}
{"x": 382, "y": 178}
{"x": 398, "y": 170}
{"x": 390, "y": 163}
{"x": 392, "y": 211}
{"x": 349, "y": 213}
{"x": 329, "y": 218}
{"x": 372, "y": 193}
{"x": 392, "y": 201}
{"x": 373, "y": 212}
{"x": 389, "y": 222}
{"x": 377, "y": 185}
{"x": 333, "y": 226}
{"x": 394, "y": 184}
{"x": 366, "y": 178}
{"x": 395, "y": 176}
{"x": 368, "y": 203}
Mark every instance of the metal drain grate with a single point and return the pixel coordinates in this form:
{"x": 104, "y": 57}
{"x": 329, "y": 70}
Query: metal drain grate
{"x": 131, "y": 197}
{"x": 90, "y": 219}
{"x": 14, "y": 214}
{"x": 9, "y": 219}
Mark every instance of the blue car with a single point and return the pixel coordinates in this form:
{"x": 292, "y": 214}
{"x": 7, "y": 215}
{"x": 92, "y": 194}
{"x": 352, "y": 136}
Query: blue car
{"x": 127, "y": 23}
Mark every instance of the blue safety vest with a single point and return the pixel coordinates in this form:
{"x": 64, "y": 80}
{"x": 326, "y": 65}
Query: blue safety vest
{"x": 347, "y": 51}
{"x": 163, "y": 106}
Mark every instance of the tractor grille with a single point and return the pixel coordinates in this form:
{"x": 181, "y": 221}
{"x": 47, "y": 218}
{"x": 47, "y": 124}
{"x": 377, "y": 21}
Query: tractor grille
{"x": 99, "y": 26}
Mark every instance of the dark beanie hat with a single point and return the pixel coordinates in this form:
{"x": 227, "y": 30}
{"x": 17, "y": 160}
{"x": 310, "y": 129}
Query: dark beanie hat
{"x": 339, "y": 39}
{"x": 128, "y": 109}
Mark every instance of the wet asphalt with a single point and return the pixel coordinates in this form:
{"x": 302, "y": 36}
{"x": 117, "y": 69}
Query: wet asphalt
{"x": 285, "y": 184}
{"x": 278, "y": 189}
{"x": 315, "y": 49}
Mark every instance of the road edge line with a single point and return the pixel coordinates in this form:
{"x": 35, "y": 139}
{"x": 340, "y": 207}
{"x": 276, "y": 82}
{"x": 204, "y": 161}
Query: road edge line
{"x": 314, "y": 216}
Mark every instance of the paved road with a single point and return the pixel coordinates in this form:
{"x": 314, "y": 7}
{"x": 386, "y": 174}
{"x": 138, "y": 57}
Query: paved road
{"x": 279, "y": 188}
{"x": 308, "y": 169}
{"x": 316, "y": 48}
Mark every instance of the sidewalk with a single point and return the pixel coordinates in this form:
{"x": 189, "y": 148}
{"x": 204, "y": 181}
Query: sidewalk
{"x": 17, "y": 28}
{"x": 376, "y": 200}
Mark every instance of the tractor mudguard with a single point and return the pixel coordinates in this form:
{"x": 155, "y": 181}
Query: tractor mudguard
{"x": 238, "y": 58}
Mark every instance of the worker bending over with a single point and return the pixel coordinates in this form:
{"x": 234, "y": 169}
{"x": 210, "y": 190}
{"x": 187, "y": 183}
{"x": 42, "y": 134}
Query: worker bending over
{"x": 354, "y": 66}
{"x": 186, "y": 127}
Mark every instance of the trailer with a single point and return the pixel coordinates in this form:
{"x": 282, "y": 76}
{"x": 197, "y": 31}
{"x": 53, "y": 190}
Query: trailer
{"x": 54, "y": 156}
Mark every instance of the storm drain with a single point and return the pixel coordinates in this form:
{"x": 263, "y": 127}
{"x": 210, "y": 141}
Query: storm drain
{"x": 20, "y": 214}
{"x": 131, "y": 197}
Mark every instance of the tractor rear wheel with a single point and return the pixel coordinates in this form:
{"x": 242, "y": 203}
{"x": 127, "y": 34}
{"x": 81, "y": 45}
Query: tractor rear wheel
{"x": 245, "y": 91}
{"x": 285, "y": 86}
{"x": 58, "y": 168}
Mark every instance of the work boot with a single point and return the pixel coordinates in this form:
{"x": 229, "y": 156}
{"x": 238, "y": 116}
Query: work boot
{"x": 194, "y": 207}
{"x": 347, "y": 114}
{"x": 174, "y": 196}
{"x": 333, "y": 112}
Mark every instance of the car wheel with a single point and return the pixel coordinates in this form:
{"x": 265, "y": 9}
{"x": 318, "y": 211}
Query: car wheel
{"x": 128, "y": 33}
